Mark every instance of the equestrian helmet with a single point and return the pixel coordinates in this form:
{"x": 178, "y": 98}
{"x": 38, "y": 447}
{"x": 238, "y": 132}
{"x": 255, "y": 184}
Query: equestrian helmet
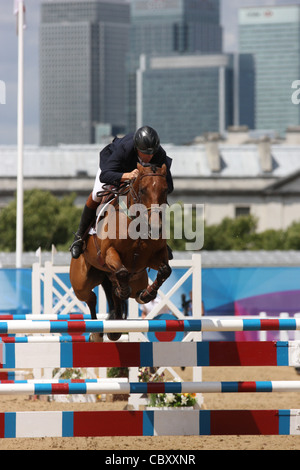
{"x": 146, "y": 140}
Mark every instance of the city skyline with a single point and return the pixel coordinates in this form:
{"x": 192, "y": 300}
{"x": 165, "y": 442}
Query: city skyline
{"x": 8, "y": 62}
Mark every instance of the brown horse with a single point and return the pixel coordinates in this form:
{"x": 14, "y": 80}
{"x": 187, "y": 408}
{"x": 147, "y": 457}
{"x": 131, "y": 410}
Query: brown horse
{"x": 119, "y": 254}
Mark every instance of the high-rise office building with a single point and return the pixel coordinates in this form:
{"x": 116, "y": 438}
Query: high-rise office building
{"x": 186, "y": 96}
{"x": 271, "y": 36}
{"x": 168, "y": 27}
{"x": 89, "y": 56}
{"x": 83, "y": 44}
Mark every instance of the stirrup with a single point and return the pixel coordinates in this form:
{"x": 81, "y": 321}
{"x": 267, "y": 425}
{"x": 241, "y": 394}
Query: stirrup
{"x": 78, "y": 240}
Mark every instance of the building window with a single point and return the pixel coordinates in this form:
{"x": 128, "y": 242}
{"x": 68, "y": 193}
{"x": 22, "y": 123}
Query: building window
{"x": 242, "y": 211}
{"x": 180, "y": 37}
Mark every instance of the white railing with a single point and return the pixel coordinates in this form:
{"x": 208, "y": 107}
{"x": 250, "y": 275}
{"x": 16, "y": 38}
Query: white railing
{"x": 58, "y": 297}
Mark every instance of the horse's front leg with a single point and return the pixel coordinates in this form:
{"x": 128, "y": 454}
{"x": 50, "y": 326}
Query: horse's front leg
{"x": 148, "y": 294}
{"x": 120, "y": 275}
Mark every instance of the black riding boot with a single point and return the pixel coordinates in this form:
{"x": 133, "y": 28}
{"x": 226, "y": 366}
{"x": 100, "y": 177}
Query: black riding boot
{"x": 87, "y": 217}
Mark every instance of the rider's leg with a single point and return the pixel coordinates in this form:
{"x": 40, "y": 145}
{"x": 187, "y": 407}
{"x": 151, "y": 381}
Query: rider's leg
{"x": 87, "y": 217}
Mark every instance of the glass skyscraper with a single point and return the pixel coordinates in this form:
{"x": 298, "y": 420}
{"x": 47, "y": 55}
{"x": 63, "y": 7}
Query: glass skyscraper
{"x": 168, "y": 27}
{"x": 271, "y": 36}
{"x": 89, "y": 56}
{"x": 187, "y": 96}
{"x": 82, "y": 68}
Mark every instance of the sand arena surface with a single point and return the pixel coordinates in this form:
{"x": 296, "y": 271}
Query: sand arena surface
{"x": 211, "y": 401}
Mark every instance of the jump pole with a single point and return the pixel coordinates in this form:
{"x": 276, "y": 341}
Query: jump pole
{"x": 146, "y": 326}
{"x": 97, "y": 386}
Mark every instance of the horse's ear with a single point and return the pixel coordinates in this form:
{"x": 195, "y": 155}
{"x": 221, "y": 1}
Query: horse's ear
{"x": 140, "y": 167}
{"x": 164, "y": 169}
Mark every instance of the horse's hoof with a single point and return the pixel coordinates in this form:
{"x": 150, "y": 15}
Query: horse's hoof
{"x": 164, "y": 272}
{"x": 138, "y": 298}
{"x": 144, "y": 296}
{"x": 96, "y": 338}
{"x": 114, "y": 336}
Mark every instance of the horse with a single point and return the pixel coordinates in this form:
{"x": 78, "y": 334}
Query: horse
{"x": 117, "y": 256}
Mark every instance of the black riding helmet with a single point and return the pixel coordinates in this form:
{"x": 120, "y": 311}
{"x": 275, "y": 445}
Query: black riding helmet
{"x": 146, "y": 140}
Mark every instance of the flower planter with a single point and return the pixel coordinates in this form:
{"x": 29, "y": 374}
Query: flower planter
{"x": 168, "y": 408}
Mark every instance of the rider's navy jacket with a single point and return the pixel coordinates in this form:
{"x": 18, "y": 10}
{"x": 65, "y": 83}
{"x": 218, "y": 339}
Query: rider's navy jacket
{"x": 121, "y": 157}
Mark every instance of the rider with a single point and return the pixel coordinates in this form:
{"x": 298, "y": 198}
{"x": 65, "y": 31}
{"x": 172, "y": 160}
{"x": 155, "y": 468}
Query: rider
{"x": 118, "y": 162}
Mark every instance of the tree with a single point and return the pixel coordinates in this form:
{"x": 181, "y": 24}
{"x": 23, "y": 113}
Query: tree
{"x": 270, "y": 240}
{"x": 292, "y": 237}
{"x": 240, "y": 234}
{"x": 47, "y": 220}
{"x": 231, "y": 234}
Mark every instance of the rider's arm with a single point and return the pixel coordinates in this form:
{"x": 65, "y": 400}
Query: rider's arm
{"x": 117, "y": 163}
{"x": 131, "y": 175}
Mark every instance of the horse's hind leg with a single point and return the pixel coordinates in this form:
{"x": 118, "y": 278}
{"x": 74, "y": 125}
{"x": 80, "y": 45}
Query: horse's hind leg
{"x": 117, "y": 313}
{"x": 117, "y": 307}
{"x": 83, "y": 283}
{"x": 92, "y": 302}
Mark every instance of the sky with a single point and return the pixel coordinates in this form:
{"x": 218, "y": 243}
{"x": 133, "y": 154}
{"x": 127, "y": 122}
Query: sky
{"x": 9, "y": 61}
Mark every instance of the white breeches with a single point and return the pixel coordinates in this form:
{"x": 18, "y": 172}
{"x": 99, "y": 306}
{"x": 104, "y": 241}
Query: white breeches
{"x": 98, "y": 186}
